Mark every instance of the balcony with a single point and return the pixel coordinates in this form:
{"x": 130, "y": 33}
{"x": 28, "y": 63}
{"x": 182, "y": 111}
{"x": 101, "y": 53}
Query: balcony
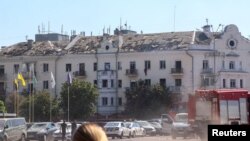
{"x": 2, "y": 76}
{"x": 177, "y": 71}
{"x": 131, "y": 72}
{"x": 207, "y": 70}
{"x": 80, "y": 74}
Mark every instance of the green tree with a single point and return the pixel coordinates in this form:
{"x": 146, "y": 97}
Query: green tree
{"x": 41, "y": 107}
{"x": 2, "y": 107}
{"x": 147, "y": 102}
{"x": 12, "y": 100}
{"x": 82, "y": 99}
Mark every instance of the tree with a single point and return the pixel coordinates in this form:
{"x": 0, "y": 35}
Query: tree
{"x": 2, "y": 107}
{"x": 82, "y": 99}
{"x": 41, "y": 107}
{"x": 12, "y": 100}
{"x": 147, "y": 102}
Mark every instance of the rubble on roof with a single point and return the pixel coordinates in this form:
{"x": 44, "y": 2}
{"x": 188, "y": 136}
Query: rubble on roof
{"x": 89, "y": 44}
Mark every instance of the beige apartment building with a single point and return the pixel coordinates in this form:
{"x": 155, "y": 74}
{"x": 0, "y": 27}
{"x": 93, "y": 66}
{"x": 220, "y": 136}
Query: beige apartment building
{"x": 183, "y": 61}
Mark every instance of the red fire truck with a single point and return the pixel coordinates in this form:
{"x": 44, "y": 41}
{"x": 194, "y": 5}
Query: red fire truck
{"x": 221, "y": 106}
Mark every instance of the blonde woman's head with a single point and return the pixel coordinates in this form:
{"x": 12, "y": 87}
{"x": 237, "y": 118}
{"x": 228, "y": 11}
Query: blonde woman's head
{"x": 90, "y": 132}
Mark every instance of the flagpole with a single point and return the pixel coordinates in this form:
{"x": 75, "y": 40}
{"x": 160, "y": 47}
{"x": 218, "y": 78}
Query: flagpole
{"x": 50, "y": 106}
{"x": 68, "y": 103}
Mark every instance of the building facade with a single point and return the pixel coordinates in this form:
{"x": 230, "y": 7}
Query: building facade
{"x": 182, "y": 61}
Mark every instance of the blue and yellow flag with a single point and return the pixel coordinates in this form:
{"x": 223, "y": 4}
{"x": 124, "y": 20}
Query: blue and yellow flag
{"x": 20, "y": 77}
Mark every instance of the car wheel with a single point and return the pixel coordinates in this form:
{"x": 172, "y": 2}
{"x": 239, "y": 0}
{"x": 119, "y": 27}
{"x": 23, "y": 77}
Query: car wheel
{"x": 5, "y": 139}
{"x": 121, "y": 135}
{"x": 22, "y": 138}
{"x": 133, "y": 134}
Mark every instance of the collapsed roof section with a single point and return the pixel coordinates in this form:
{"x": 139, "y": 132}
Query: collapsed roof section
{"x": 89, "y": 44}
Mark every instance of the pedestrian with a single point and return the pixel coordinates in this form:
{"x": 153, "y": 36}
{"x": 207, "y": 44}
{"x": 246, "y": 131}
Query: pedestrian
{"x": 73, "y": 127}
{"x": 63, "y": 129}
{"x": 89, "y": 132}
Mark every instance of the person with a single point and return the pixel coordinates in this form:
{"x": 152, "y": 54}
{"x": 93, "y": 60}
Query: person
{"x": 73, "y": 127}
{"x": 89, "y": 132}
{"x": 63, "y": 129}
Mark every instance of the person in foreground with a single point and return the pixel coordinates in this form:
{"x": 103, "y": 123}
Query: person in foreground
{"x": 89, "y": 132}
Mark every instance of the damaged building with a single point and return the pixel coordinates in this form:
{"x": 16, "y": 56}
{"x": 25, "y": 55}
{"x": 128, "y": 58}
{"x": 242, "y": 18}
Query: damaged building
{"x": 182, "y": 61}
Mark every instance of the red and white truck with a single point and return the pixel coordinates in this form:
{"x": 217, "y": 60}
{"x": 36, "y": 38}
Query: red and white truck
{"x": 220, "y": 106}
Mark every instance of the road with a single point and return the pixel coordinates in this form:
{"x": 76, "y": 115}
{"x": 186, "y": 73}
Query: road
{"x": 155, "y": 138}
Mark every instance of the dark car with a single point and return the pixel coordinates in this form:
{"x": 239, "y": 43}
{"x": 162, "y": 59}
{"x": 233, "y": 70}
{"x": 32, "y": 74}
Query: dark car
{"x": 157, "y": 127}
{"x": 41, "y": 131}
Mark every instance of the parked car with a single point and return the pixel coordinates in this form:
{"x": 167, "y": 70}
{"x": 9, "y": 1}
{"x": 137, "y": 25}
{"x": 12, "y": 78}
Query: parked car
{"x": 117, "y": 129}
{"x": 13, "y": 129}
{"x": 135, "y": 129}
{"x": 41, "y": 131}
{"x": 181, "y": 127}
{"x": 157, "y": 127}
{"x": 69, "y": 136}
{"x": 150, "y": 130}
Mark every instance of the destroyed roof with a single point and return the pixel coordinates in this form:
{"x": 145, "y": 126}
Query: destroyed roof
{"x": 89, "y": 44}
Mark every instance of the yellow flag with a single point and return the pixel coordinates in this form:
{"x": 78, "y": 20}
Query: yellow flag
{"x": 16, "y": 82}
{"x": 20, "y": 77}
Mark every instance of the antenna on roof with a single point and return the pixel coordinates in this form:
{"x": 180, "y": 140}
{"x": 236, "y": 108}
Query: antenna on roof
{"x": 38, "y": 29}
{"x": 207, "y": 21}
{"x": 48, "y": 27}
{"x": 120, "y": 23}
{"x": 62, "y": 29}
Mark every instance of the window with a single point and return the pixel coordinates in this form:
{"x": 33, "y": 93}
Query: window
{"x": 104, "y": 83}
{"x": 112, "y": 83}
{"x": 95, "y": 82}
{"x": 95, "y": 66}
{"x": 46, "y": 84}
{"x": 132, "y": 65}
{"x": 132, "y": 84}
{"x": 147, "y": 82}
{"x": 119, "y": 83}
{"x": 178, "y": 82}
{"x": 205, "y": 65}
{"x": 68, "y": 67}
{"x": 16, "y": 68}
{"x": 45, "y": 67}
{"x": 111, "y": 101}
{"x": 2, "y": 70}
{"x": 162, "y": 64}
{"x": 119, "y": 65}
{"x": 178, "y": 65}
{"x": 30, "y": 87}
{"x": 232, "y": 83}
{"x": 147, "y": 64}
{"x": 81, "y": 68}
{"x": 104, "y": 101}
{"x": 240, "y": 65}
{"x": 120, "y": 101}
{"x": 231, "y": 65}
{"x": 224, "y": 83}
{"x": 107, "y": 66}
{"x": 163, "y": 82}
{"x": 241, "y": 83}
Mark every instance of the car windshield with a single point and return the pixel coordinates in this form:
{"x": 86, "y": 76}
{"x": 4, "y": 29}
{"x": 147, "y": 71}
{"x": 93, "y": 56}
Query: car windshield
{"x": 144, "y": 123}
{"x": 112, "y": 124}
{"x": 2, "y": 124}
{"x": 181, "y": 118}
{"x": 128, "y": 124}
{"x": 39, "y": 125}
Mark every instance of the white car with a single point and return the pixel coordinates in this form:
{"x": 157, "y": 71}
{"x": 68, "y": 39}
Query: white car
{"x": 135, "y": 128}
{"x": 117, "y": 129}
{"x": 181, "y": 127}
{"x": 57, "y": 135}
{"x": 149, "y": 129}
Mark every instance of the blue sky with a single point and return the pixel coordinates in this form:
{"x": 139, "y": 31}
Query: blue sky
{"x": 21, "y": 18}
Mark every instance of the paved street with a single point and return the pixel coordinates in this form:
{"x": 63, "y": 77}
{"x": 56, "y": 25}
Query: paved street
{"x": 154, "y": 138}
